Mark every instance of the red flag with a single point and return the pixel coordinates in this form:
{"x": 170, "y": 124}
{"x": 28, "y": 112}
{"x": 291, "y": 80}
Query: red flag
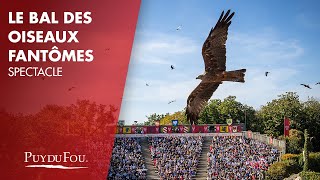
{"x": 286, "y": 127}
{"x": 270, "y": 140}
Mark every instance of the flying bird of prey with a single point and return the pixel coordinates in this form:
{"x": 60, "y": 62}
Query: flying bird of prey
{"x": 306, "y": 85}
{"x": 147, "y": 84}
{"x": 171, "y": 101}
{"x": 214, "y": 56}
{"x": 317, "y": 83}
{"x": 71, "y": 88}
{"x": 179, "y": 28}
{"x": 172, "y": 67}
{"x": 266, "y": 73}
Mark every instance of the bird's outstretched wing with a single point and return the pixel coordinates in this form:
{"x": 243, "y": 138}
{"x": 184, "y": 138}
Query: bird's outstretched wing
{"x": 198, "y": 99}
{"x": 214, "y": 48}
{"x": 306, "y": 85}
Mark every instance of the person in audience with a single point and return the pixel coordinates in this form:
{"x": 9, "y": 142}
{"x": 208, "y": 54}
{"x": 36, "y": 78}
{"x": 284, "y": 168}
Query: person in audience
{"x": 127, "y": 161}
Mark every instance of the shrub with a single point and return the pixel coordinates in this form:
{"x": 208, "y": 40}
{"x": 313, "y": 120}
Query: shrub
{"x": 314, "y": 161}
{"x": 283, "y": 169}
{"x": 308, "y": 175}
{"x": 294, "y": 143}
{"x": 290, "y": 156}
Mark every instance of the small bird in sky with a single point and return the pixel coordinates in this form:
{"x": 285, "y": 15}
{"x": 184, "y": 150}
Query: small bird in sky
{"x": 172, "y": 67}
{"x": 71, "y": 88}
{"x": 147, "y": 84}
{"x": 317, "y": 83}
{"x": 179, "y": 28}
{"x": 306, "y": 85}
{"x": 171, "y": 101}
{"x": 266, "y": 73}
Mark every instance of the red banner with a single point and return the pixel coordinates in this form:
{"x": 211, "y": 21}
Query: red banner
{"x": 157, "y": 129}
{"x": 151, "y": 129}
{"x": 145, "y": 130}
{"x": 133, "y": 129}
{"x": 217, "y": 128}
{"x": 239, "y": 128}
{"x": 120, "y": 130}
{"x": 286, "y": 127}
{"x": 194, "y": 129}
{"x": 205, "y": 128}
{"x": 234, "y": 129}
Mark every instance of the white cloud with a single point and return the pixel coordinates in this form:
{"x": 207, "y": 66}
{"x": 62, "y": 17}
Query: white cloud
{"x": 159, "y": 91}
{"x": 153, "y": 60}
{"x": 174, "y": 45}
{"x": 262, "y": 48}
{"x": 159, "y": 48}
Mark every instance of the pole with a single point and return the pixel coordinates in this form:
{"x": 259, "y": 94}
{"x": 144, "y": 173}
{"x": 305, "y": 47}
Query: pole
{"x": 245, "y": 119}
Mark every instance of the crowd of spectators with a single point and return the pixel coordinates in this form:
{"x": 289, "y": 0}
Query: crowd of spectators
{"x": 176, "y": 157}
{"x": 239, "y": 158}
{"x": 127, "y": 161}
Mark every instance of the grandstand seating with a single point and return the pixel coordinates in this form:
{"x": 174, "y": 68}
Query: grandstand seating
{"x": 190, "y": 157}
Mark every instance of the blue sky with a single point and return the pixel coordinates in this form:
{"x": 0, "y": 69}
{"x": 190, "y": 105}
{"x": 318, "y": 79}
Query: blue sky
{"x": 276, "y": 36}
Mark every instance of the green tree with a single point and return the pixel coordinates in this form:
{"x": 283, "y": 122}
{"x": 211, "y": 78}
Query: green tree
{"x": 210, "y": 114}
{"x": 248, "y": 116}
{"x": 153, "y": 118}
{"x": 272, "y": 115}
{"x": 180, "y": 115}
{"x": 217, "y": 112}
{"x": 311, "y": 121}
{"x": 230, "y": 108}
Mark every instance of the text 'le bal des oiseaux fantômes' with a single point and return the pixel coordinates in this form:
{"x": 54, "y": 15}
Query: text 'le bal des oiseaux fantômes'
{"x": 56, "y": 37}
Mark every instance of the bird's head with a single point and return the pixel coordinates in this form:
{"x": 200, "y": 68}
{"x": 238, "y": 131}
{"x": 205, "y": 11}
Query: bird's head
{"x": 200, "y": 76}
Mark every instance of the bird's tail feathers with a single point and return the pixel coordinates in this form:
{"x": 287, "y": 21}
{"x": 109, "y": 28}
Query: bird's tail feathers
{"x": 235, "y": 76}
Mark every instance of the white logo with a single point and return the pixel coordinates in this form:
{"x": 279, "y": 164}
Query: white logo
{"x": 53, "y": 158}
